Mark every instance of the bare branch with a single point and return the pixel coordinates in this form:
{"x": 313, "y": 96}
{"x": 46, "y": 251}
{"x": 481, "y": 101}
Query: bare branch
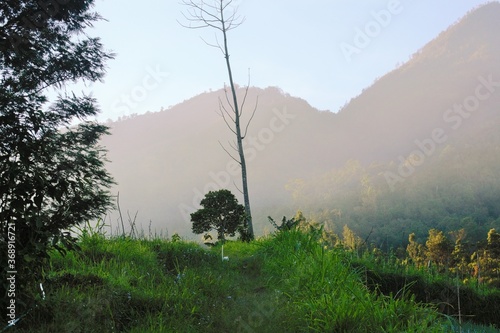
{"x": 237, "y": 187}
{"x": 246, "y": 94}
{"x": 202, "y": 15}
{"x": 132, "y": 223}
{"x": 120, "y": 212}
{"x": 233, "y": 20}
{"x": 236, "y": 160}
{"x": 223, "y": 108}
{"x": 243, "y": 104}
{"x": 198, "y": 11}
{"x": 228, "y": 101}
{"x": 217, "y": 46}
{"x": 233, "y": 145}
{"x": 250, "y": 120}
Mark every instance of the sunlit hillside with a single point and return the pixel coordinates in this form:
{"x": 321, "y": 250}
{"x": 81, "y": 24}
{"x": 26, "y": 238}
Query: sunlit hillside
{"x": 444, "y": 99}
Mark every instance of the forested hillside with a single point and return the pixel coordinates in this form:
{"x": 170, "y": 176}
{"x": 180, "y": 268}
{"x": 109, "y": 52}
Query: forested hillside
{"x": 440, "y": 137}
{"x": 417, "y": 149}
{"x": 457, "y": 188}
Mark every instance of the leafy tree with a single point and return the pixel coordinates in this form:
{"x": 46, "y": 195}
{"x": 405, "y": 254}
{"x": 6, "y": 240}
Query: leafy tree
{"x": 494, "y": 244}
{"x": 491, "y": 256}
{"x": 350, "y": 239}
{"x": 286, "y": 225}
{"x": 438, "y": 247}
{"x": 459, "y": 257}
{"x": 52, "y": 173}
{"x": 415, "y": 251}
{"x": 221, "y": 212}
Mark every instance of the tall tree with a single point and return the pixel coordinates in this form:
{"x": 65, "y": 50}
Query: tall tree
{"x": 493, "y": 243}
{"x": 222, "y": 16}
{"x": 459, "y": 256}
{"x": 52, "y": 173}
{"x": 439, "y": 248}
{"x": 492, "y": 254}
{"x": 415, "y": 251}
{"x": 350, "y": 240}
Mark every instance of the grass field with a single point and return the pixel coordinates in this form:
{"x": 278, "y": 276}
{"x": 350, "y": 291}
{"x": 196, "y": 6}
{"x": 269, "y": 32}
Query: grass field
{"x": 287, "y": 282}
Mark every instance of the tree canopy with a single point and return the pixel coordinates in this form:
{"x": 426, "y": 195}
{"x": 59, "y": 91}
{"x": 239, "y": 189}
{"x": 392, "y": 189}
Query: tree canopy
{"x": 52, "y": 173}
{"x": 221, "y": 212}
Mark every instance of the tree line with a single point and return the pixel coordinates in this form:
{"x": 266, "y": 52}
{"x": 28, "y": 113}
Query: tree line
{"x": 457, "y": 188}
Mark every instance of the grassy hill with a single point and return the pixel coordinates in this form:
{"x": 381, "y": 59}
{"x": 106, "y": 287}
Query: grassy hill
{"x": 287, "y": 282}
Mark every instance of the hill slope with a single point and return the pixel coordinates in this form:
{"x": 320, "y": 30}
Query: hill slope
{"x": 270, "y": 285}
{"x": 164, "y": 162}
{"x": 411, "y": 101}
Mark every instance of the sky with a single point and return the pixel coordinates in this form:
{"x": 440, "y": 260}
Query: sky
{"x": 323, "y": 51}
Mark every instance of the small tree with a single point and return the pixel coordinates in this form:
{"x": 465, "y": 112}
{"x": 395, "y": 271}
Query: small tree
{"x": 493, "y": 244}
{"x": 221, "y": 212}
{"x": 491, "y": 256}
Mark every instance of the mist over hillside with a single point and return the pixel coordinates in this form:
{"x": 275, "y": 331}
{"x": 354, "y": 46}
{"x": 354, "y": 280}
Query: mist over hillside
{"x": 165, "y": 162}
{"x": 441, "y": 104}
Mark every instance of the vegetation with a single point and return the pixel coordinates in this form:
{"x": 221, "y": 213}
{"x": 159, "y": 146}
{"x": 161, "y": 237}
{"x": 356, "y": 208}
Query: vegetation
{"x": 52, "y": 173}
{"x": 456, "y": 188}
{"x": 222, "y": 16}
{"x": 303, "y": 278}
{"x": 291, "y": 281}
{"x": 221, "y": 212}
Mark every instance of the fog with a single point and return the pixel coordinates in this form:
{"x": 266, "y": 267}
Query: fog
{"x": 440, "y": 105}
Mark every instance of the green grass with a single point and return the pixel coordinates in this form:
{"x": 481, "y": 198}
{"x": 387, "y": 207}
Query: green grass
{"x": 478, "y": 303}
{"x": 284, "y": 283}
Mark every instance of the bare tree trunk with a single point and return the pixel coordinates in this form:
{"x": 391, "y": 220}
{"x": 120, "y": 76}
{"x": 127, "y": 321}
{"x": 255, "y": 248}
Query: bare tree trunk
{"x": 211, "y": 15}
{"x": 238, "y": 131}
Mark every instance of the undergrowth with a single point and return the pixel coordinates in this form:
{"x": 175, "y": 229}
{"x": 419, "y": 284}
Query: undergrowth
{"x": 287, "y": 282}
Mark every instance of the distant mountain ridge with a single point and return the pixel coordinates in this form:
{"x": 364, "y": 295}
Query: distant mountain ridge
{"x": 411, "y": 100}
{"x": 164, "y": 162}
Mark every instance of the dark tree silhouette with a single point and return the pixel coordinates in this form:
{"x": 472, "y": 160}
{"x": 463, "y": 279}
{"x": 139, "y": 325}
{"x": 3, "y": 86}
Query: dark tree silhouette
{"x": 52, "y": 174}
{"x": 221, "y": 212}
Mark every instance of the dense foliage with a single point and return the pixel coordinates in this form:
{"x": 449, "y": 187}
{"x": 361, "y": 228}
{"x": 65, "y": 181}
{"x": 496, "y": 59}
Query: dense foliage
{"x": 221, "y": 212}
{"x": 455, "y": 188}
{"x": 52, "y": 173}
{"x": 449, "y": 254}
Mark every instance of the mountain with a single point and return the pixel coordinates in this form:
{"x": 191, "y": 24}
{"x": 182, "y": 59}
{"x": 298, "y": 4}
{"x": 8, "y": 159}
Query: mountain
{"x": 448, "y": 92}
{"x": 411, "y": 101}
{"x": 165, "y": 162}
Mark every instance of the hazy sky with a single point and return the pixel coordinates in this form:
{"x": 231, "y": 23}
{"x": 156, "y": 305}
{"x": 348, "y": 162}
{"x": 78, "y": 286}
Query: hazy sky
{"x": 324, "y": 51}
